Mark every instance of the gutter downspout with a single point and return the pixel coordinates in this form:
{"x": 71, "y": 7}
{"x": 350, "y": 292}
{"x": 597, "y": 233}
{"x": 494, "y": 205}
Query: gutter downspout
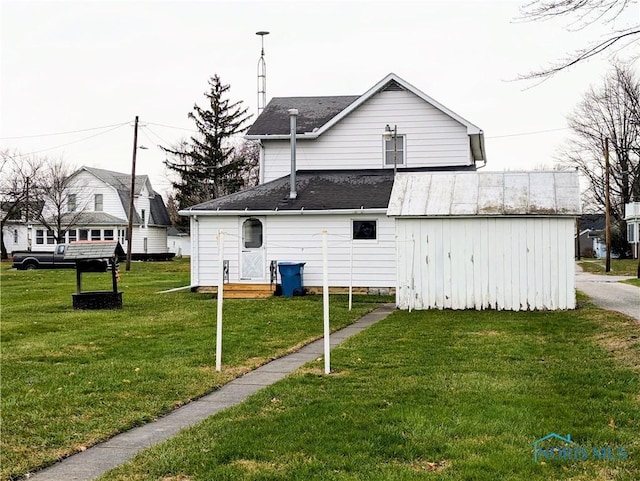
{"x": 292, "y": 116}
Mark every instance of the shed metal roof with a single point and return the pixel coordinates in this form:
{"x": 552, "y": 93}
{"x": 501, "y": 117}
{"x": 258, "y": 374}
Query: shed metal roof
{"x": 83, "y": 250}
{"x": 485, "y": 194}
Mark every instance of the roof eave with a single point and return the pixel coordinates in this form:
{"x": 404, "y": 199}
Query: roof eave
{"x": 305, "y": 135}
{"x": 247, "y": 212}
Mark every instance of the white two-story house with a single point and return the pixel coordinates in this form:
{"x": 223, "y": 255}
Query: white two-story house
{"x": 336, "y": 174}
{"x": 344, "y": 171}
{"x": 97, "y": 203}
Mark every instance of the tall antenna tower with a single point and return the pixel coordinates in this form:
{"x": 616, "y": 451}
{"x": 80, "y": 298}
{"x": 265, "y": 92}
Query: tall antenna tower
{"x": 262, "y": 75}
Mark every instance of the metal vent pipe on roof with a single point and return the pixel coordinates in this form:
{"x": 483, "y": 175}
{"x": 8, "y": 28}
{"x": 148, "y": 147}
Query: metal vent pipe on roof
{"x": 292, "y": 117}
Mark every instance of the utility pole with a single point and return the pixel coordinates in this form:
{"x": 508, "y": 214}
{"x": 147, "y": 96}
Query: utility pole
{"x": 27, "y": 216}
{"x": 607, "y": 206}
{"x": 131, "y": 194}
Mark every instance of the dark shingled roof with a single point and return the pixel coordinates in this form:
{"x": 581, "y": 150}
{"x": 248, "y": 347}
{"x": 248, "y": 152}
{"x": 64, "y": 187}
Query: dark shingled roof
{"x": 317, "y": 190}
{"x": 313, "y": 113}
{"x": 83, "y": 250}
{"x": 159, "y": 212}
{"x": 91, "y": 218}
{"x": 122, "y": 183}
{"x": 592, "y": 222}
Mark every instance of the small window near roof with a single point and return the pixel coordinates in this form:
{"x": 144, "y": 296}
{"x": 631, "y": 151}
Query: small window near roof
{"x": 71, "y": 203}
{"x": 394, "y": 149}
{"x": 365, "y": 230}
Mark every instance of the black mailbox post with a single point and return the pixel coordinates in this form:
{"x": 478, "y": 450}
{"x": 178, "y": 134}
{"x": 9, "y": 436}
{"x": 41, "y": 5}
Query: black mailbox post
{"x": 96, "y": 256}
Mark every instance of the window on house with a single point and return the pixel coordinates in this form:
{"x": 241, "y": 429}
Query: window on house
{"x": 144, "y": 218}
{"x": 394, "y": 148}
{"x": 15, "y": 236}
{"x": 631, "y": 233}
{"x": 97, "y": 203}
{"x": 108, "y": 234}
{"x": 73, "y": 235}
{"x": 71, "y": 203}
{"x": 50, "y": 238}
{"x": 39, "y": 236}
{"x": 145, "y": 244}
{"x": 84, "y": 234}
{"x": 95, "y": 234}
{"x": 365, "y": 230}
{"x": 252, "y": 234}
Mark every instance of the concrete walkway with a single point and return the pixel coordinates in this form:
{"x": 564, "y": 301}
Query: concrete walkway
{"x": 100, "y": 458}
{"x": 609, "y": 293}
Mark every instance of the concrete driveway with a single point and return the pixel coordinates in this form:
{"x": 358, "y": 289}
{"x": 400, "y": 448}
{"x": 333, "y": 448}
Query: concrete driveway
{"x": 608, "y": 293}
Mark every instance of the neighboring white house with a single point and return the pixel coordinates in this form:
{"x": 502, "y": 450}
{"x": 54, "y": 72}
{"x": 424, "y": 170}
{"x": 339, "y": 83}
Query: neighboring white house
{"x": 97, "y": 208}
{"x": 591, "y": 229}
{"x": 344, "y": 169}
{"x": 178, "y": 243}
{"x": 632, "y": 216}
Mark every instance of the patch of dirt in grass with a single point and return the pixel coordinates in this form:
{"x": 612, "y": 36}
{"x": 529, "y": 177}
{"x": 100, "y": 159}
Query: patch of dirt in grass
{"x": 622, "y": 340}
{"x": 252, "y": 466}
{"x": 601, "y": 474}
{"x": 318, "y": 371}
{"x": 177, "y": 477}
{"x": 424, "y": 466}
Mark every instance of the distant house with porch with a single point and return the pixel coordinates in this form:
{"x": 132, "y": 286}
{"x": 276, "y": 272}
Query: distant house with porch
{"x": 96, "y": 208}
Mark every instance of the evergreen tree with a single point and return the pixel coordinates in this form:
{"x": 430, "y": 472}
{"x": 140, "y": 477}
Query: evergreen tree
{"x": 207, "y": 165}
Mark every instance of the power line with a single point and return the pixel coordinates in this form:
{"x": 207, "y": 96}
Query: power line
{"x": 62, "y": 133}
{"x": 171, "y": 127}
{"x": 146, "y": 128}
{"x": 75, "y": 141}
{"x": 527, "y": 133}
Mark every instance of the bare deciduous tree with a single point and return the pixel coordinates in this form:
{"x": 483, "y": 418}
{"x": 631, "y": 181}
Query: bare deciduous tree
{"x": 608, "y": 112}
{"x": 64, "y": 205}
{"x": 19, "y": 180}
{"x": 582, "y": 14}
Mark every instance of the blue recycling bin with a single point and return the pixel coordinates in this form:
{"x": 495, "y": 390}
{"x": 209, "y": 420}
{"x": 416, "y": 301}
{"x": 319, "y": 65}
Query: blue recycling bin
{"x": 291, "y": 275}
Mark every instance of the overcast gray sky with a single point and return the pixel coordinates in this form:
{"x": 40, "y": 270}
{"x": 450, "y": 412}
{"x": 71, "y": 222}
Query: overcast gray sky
{"x": 75, "y": 66}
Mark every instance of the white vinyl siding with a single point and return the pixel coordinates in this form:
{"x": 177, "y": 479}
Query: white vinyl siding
{"x": 499, "y": 263}
{"x": 373, "y": 260}
{"x": 156, "y": 240}
{"x": 432, "y": 139}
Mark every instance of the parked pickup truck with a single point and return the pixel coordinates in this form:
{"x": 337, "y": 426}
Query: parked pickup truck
{"x": 23, "y": 260}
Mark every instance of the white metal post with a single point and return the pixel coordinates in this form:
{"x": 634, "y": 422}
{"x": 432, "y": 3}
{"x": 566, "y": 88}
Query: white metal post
{"x": 351, "y": 274}
{"x": 325, "y": 297}
{"x": 220, "y": 300}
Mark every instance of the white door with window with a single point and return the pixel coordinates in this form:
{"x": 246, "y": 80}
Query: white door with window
{"x": 252, "y": 258}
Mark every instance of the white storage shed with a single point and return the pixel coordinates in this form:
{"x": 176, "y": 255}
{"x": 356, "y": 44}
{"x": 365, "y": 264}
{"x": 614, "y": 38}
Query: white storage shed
{"x": 485, "y": 240}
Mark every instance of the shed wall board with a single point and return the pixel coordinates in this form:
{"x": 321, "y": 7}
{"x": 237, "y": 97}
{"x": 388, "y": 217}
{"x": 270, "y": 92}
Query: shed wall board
{"x": 485, "y": 263}
{"x": 432, "y": 139}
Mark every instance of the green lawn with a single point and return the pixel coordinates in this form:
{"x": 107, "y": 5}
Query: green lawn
{"x": 619, "y": 267}
{"x": 73, "y": 378}
{"x": 440, "y": 395}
